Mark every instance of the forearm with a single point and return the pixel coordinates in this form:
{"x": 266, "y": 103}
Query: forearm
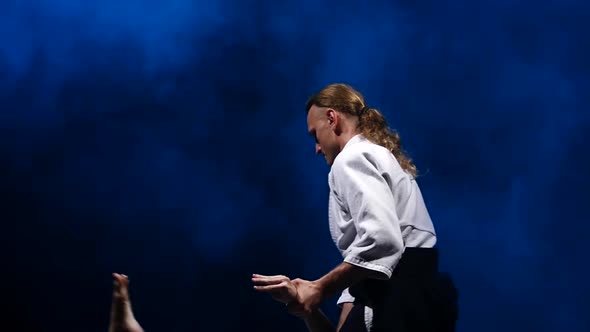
{"x": 318, "y": 322}
{"x": 342, "y": 277}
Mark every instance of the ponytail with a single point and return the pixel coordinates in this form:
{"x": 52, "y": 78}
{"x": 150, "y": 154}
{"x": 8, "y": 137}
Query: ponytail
{"x": 374, "y": 127}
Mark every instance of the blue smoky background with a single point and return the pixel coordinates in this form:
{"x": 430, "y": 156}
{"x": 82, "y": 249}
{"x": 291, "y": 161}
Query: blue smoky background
{"x": 167, "y": 140}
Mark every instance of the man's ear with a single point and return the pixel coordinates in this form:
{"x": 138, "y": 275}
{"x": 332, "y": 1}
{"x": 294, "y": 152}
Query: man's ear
{"x": 332, "y": 117}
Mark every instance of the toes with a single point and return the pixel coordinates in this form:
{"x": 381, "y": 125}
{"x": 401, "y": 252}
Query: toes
{"x": 121, "y": 279}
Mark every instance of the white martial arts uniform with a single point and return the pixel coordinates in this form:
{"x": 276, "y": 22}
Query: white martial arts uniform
{"x": 375, "y": 210}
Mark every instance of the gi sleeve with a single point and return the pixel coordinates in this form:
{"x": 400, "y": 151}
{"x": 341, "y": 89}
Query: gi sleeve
{"x": 378, "y": 244}
{"x": 344, "y": 298}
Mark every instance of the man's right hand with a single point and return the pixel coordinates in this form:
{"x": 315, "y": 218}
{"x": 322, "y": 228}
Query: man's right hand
{"x": 280, "y": 287}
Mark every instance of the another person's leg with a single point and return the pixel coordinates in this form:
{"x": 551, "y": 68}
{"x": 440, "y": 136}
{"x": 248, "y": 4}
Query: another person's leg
{"x": 122, "y": 318}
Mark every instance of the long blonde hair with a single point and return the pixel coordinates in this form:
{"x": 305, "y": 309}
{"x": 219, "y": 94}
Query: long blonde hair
{"x": 372, "y": 124}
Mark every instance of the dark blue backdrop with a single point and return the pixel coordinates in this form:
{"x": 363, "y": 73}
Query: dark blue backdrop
{"x": 167, "y": 141}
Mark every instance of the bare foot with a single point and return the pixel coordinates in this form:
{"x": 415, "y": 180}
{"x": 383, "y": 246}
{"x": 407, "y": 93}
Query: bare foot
{"x": 122, "y": 319}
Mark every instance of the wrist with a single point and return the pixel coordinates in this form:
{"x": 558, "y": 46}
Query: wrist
{"x": 320, "y": 286}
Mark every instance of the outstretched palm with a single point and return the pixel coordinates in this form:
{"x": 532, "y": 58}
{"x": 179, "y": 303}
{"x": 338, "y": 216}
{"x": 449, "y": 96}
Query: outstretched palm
{"x": 280, "y": 287}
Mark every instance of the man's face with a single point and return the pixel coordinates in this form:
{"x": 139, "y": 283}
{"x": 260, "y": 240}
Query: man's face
{"x": 321, "y": 124}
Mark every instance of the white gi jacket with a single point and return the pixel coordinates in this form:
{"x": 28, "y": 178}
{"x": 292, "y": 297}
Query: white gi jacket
{"x": 375, "y": 210}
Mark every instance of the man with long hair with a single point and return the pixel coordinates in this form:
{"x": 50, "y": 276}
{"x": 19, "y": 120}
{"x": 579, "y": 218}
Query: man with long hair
{"x": 389, "y": 278}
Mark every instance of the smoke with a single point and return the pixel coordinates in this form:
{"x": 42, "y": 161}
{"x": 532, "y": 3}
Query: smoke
{"x": 170, "y": 138}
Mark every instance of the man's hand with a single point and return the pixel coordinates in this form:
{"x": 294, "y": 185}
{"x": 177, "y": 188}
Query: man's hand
{"x": 309, "y": 298}
{"x": 302, "y": 297}
{"x": 281, "y": 288}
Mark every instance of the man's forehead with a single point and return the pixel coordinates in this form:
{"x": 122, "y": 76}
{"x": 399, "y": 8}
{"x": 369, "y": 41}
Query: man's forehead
{"x": 311, "y": 117}
{"x": 314, "y": 108}
{"x": 314, "y": 112}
